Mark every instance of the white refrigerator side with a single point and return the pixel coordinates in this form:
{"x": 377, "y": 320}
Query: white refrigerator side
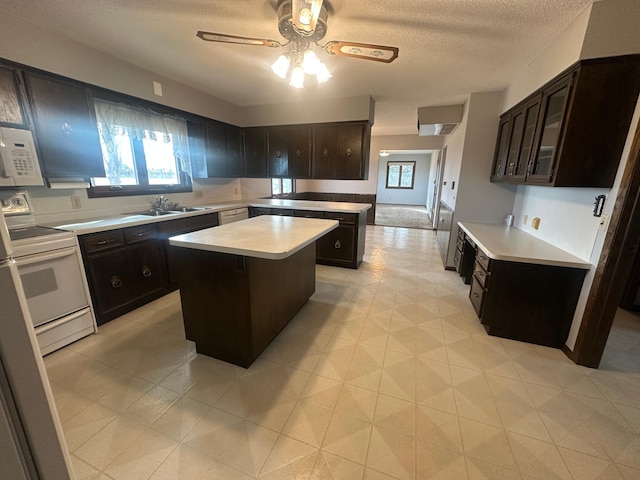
{"x": 36, "y": 446}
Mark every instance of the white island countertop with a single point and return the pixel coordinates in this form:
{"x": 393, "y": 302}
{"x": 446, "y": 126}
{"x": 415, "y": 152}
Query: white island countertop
{"x": 269, "y": 236}
{"x": 510, "y": 244}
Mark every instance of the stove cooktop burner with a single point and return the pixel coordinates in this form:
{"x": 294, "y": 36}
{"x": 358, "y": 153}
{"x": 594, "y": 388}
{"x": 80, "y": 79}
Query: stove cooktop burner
{"x": 32, "y": 232}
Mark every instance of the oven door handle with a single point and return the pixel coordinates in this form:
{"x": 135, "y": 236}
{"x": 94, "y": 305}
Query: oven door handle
{"x": 43, "y": 257}
{"x": 56, "y": 323}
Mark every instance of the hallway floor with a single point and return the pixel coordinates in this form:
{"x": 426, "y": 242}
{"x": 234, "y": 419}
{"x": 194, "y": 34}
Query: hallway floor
{"x": 385, "y": 374}
{"x": 408, "y": 216}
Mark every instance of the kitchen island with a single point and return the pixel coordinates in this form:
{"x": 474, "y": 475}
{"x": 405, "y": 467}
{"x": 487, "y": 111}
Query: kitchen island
{"x": 241, "y": 283}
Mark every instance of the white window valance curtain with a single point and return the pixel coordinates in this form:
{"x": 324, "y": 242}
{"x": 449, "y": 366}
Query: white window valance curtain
{"x": 119, "y": 119}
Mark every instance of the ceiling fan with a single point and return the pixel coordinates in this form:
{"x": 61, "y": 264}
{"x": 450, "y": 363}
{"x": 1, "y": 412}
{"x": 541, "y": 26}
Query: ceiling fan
{"x": 304, "y": 23}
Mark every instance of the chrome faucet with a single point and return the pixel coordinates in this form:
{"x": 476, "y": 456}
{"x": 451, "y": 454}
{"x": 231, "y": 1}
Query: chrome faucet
{"x": 162, "y": 203}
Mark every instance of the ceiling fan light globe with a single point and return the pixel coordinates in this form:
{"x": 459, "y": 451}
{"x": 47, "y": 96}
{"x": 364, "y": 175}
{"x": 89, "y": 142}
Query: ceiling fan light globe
{"x": 281, "y": 66}
{"x": 310, "y": 62}
{"x": 323, "y": 73}
{"x": 297, "y": 77}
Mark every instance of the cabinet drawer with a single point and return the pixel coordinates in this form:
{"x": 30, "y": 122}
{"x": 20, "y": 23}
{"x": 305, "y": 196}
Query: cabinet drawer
{"x": 343, "y": 218}
{"x": 476, "y": 296}
{"x": 480, "y": 274}
{"x": 97, "y": 242}
{"x": 308, "y": 214}
{"x": 484, "y": 260}
{"x": 140, "y": 233}
{"x": 284, "y": 212}
{"x": 257, "y": 211}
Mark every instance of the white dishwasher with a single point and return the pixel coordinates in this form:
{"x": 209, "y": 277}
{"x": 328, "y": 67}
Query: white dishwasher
{"x": 235, "y": 215}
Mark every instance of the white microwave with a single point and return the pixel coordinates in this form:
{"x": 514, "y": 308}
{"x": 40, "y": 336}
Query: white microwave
{"x": 18, "y": 160}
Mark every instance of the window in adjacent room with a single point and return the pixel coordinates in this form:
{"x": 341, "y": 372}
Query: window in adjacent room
{"x": 143, "y": 151}
{"x": 282, "y": 186}
{"x": 400, "y": 174}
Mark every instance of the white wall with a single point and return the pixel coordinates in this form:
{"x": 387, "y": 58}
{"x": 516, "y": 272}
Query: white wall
{"x": 415, "y": 196}
{"x": 475, "y": 198}
{"x": 453, "y": 161}
{"x": 612, "y": 29}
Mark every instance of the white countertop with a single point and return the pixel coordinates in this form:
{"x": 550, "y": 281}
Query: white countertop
{"x": 272, "y": 237}
{"x": 340, "y": 207}
{"x": 84, "y": 227}
{"x": 500, "y": 242}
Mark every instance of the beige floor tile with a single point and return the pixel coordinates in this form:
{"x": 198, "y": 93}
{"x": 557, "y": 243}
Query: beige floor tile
{"x": 84, "y": 425}
{"x": 237, "y": 443}
{"x": 106, "y": 445}
{"x": 334, "y": 467}
{"x": 308, "y": 423}
{"x": 180, "y": 418}
{"x": 357, "y": 402}
{"x": 141, "y": 458}
{"x": 587, "y": 467}
{"x": 82, "y": 470}
{"x": 347, "y": 437}
{"x": 392, "y": 453}
{"x": 289, "y": 459}
{"x": 183, "y": 463}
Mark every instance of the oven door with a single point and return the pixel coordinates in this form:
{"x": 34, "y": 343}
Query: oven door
{"x": 52, "y": 283}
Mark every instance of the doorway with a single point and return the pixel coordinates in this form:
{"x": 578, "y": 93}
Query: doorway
{"x": 405, "y": 188}
{"x": 621, "y": 244}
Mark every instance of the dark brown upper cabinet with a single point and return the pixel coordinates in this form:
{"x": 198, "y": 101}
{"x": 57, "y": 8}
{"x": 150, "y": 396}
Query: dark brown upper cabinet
{"x": 65, "y": 127}
{"x": 290, "y": 151}
{"x": 223, "y": 150}
{"x": 12, "y": 106}
{"x": 341, "y": 151}
{"x": 570, "y": 132}
{"x": 255, "y": 152}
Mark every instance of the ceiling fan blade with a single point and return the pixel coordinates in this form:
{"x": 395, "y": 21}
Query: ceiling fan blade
{"x": 304, "y": 15}
{"x": 366, "y": 51}
{"x": 224, "y": 38}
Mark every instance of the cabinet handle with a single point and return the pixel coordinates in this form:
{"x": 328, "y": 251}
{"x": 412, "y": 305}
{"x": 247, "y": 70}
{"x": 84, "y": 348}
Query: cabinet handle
{"x": 338, "y": 244}
{"x": 348, "y": 152}
{"x": 325, "y": 153}
{"x": 105, "y": 242}
{"x": 278, "y": 154}
{"x": 146, "y": 271}
{"x": 116, "y": 282}
{"x": 66, "y": 128}
{"x": 298, "y": 153}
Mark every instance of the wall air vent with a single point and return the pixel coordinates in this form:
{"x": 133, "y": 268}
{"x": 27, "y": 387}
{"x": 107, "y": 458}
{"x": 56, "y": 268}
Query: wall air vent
{"x": 439, "y": 120}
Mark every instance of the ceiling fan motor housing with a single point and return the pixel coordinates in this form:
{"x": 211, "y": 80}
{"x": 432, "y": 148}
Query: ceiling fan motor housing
{"x": 288, "y": 31}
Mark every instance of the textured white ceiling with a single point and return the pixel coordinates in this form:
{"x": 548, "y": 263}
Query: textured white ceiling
{"x": 448, "y": 48}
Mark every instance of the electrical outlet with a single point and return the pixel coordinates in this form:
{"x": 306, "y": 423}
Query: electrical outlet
{"x": 525, "y": 219}
{"x": 197, "y": 193}
{"x": 604, "y": 220}
{"x": 535, "y": 223}
{"x": 75, "y": 202}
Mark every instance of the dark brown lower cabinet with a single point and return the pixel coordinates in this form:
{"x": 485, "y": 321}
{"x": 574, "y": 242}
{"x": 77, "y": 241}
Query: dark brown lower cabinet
{"x": 342, "y": 247}
{"x": 129, "y": 267}
{"x": 524, "y": 301}
{"x": 124, "y": 270}
{"x": 464, "y": 257}
{"x": 234, "y": 306}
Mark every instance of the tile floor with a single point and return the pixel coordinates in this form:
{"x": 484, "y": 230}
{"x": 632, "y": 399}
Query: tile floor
{"x": 385, "y": 374}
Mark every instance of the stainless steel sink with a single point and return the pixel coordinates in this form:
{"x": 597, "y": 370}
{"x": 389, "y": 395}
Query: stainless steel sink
{"x": 155, "y": 213}
{"x": 186, "y": 209}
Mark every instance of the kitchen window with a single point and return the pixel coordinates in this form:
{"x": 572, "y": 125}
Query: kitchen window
{"x": 143, "y": 151}
{"x": 400, "y": 174}
{"x": 282, "y": 186}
